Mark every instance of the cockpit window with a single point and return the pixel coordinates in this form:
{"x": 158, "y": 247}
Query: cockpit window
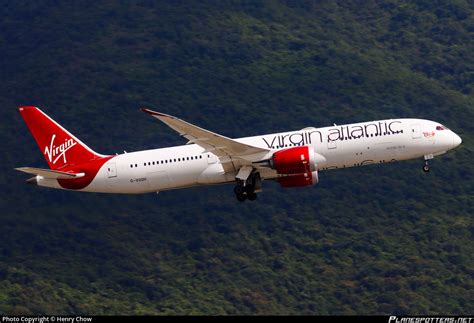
{"x": 440, "y": 127}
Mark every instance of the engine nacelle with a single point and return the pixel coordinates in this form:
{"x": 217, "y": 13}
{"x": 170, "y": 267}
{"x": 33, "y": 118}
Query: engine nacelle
{"x": 299, "y": 180}
{"x": 296, "y": 160}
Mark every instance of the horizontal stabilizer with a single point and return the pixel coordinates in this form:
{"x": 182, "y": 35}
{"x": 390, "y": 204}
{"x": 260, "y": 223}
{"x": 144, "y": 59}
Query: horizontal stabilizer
{"x": 48, "y": 173}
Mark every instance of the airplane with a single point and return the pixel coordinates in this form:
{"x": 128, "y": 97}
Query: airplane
{"x": 293, "y": 159}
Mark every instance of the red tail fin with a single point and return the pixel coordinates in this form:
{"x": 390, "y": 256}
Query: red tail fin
{"x": 60, "y": 148}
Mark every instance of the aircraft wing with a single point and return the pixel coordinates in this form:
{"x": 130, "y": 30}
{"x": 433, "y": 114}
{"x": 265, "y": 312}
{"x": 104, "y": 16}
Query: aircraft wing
{"x": 49, "y": 173}
{"x": 228, "y": 150}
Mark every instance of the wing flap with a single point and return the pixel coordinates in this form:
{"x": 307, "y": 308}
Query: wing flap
{"x": 49, "y": 173}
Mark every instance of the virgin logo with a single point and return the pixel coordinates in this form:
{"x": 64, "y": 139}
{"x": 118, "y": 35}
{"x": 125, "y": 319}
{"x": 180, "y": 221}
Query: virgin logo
{"x": 429, "y": 134}
{"x": 54, "y": 152}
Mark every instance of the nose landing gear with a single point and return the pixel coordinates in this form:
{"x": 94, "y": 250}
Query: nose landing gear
{"x": 426, "y": 166}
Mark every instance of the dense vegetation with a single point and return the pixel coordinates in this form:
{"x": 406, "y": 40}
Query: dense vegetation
{"x": 369, "y": 240}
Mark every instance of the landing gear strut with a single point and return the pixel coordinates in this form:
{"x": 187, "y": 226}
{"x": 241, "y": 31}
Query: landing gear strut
{"x": 426, "y": 166}
{"x": 246, "y": 189}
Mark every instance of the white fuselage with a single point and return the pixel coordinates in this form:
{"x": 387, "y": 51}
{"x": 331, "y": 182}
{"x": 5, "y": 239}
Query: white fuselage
{"x": 336, "y": 147}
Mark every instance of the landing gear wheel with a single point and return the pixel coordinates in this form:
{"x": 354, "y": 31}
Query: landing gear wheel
{"x": 426, "y": 167}
{"x": 239, "y": 190}
{"x": 252, "y": 196}
{"x": 241, "y": 197}
{"x": 245, "y": 189}
{"x": 249, "y": 189}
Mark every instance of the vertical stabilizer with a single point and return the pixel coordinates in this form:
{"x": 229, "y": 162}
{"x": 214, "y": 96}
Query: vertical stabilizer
{"x": 59, "y": 147}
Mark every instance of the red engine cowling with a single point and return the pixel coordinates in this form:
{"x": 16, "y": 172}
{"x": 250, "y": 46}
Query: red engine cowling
{"x": 299, "y": 180}
{"x": 296, "y": 160}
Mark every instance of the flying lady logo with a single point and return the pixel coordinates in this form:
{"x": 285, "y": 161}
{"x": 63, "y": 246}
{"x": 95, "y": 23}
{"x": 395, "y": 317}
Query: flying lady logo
{"x": 429, "y": 134}
{"x": 57, "y": 151}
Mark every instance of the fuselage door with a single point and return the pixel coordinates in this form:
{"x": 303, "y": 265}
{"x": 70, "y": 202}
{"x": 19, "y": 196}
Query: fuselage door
{"x": 111, "y": 170}
{"x": 416, "y": 131}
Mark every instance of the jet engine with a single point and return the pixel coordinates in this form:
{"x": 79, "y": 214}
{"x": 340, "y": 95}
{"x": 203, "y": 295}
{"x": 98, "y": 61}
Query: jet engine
{"x": 299, "y": 180}
{"x": 296, "y": 160}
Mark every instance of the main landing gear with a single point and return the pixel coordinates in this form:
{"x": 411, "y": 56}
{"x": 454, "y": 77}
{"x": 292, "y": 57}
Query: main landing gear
{"x": 426, "y": 166}
{"x": 247, "y": 189}
{"x": 245, "y": 192}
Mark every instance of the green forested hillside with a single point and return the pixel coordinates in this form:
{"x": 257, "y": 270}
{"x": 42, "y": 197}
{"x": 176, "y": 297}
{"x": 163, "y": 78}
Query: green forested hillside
{"x": 371, "y": 240}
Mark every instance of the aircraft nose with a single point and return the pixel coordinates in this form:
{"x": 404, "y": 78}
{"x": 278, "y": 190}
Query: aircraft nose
{"x": 456, "y": 140}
